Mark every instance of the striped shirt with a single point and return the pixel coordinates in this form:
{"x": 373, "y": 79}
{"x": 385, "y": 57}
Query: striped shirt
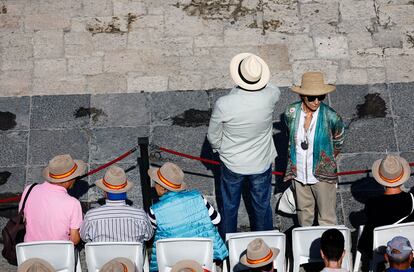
{"x": 214, "y": 215}
{"x": 116, "y": 222}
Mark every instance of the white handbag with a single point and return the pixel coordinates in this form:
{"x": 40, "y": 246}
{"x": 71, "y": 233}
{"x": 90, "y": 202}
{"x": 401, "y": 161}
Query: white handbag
{"x": 287, "y": 202}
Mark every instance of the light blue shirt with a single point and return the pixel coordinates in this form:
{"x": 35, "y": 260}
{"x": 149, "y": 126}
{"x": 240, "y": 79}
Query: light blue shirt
{"x": 241, "y": 129}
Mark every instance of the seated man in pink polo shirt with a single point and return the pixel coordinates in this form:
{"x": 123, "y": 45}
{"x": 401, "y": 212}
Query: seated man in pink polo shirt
{"x": 50, "y": 212}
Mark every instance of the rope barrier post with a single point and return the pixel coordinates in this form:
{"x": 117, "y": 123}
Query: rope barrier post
{"x": 143, "y": 163}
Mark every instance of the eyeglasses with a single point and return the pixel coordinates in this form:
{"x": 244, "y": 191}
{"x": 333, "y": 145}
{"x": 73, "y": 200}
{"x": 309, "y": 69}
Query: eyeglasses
{"x": 312, "y": 98}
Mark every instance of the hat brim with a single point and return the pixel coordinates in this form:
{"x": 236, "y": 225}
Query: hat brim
{"x": 320, "y": 91}
{"x": 79, "y": 172}
{"x": 127, "y": 262}
{"x": 234, "y": 73}
{"x": 99, "y": 183}
{"x": 25, "y": 266}
{"x": 243, "y": 259}
{"x": 152, "y": 172}
{"x": 404, "y": 178}
{"x": 193, "y": 265}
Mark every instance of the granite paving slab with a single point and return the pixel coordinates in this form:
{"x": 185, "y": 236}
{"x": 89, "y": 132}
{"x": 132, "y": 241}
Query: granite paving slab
{"x": 402, "y": 98}
{"x": 109, "y": 143}
{"x": 353, "y": 162}
{"x": 5, "y": 266}
{"x": 13, "y": 149}
{"x": 361, "y": 101}
{"x": 353, "y": 207}
{"x": 185, "y": 108}
{"x": 34, "y": 174}
{"x": 12, "y": 179}
{"x": 284, "y": 222}
{"x": 341, "y": 220}
{"x": 45, "y": 144}
{"x": 191, "y": 141}
{"x": 118, "y": 110}
{"x": 370, "y": 135}
{"x": 409, "y": 156}
{"x": 14, "y": 113}
{"x": 59, "y": 111}
{"x": 405, "y": 133}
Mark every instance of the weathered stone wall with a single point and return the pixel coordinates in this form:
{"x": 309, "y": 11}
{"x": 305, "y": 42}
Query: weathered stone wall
{"x": 105, "y": 46}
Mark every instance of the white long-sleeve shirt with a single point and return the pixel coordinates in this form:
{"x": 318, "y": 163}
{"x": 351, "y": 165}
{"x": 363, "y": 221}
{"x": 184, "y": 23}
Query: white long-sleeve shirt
{"x": 304, "y": 158}
{"x": 241, "y": 129}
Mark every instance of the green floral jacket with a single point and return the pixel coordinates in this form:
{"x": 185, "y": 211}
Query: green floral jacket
{"x": 329, "y": 137}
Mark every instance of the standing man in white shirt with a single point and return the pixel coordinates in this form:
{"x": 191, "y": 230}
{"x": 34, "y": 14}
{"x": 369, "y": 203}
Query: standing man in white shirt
{"x": 316, "y": 134}
{"x": 240, "y": 131}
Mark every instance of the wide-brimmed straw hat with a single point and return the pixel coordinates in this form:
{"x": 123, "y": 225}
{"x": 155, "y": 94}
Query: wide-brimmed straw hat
{"x": 391, "y": 171}
{"x": 114, "y": 181}
{"x": 258, "y": 254}
{"x": 35, "y": 265}
{"x": 313, "y": 84}
{"x": 249, "y": 71}
{"x": 63, "y": 168}
{"x": 187, "y": 265}
{"x": 118, "y": 265}
{"x": 169, "y": 176}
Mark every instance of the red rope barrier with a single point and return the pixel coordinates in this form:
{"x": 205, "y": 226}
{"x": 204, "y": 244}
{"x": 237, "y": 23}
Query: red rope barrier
{"x": 10, "y": 199}
{"x": 188, "y": 156}
{"x": 129, "y": 152}
{"x": 277, "y": 173}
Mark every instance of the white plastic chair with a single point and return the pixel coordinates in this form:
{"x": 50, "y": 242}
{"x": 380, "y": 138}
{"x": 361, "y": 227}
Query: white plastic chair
{"x": 99, "y": 253}
{"x": 237, "y": 244}
{"x": 60, "y": 254}
{"x": 357, "y": 262}
{"x": 306, "y": 245}
{"x": 384, "y": 234}
{"x": 172, "y": 250}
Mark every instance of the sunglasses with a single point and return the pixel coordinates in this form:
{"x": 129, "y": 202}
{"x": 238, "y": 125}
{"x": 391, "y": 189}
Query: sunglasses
{"x": 312, "y": 98}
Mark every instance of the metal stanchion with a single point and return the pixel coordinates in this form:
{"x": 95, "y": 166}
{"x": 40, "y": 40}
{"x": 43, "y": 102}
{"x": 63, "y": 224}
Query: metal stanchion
{"x": 143, "y": 163}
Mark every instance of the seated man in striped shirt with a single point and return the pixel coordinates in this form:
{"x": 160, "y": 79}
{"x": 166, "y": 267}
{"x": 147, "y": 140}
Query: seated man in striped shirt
{"x": 181, "y": 213}
{"x": 115, "y": 221}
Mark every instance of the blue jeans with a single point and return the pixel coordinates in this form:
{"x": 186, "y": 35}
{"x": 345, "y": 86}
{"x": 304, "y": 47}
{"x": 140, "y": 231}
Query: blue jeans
{"x": 260, "y": 193}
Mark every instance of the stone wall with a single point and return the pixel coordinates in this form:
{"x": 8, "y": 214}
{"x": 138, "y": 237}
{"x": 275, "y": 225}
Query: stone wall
{"x": 105, "y": 46}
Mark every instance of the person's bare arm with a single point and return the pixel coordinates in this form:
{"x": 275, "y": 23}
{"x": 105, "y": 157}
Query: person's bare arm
{"x": 74, "y": 236}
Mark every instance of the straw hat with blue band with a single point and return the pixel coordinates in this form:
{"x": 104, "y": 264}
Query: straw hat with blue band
{"x": 114, "y": 181}
{"x": 63, "y": 168}
{"x": 169, "y": 176}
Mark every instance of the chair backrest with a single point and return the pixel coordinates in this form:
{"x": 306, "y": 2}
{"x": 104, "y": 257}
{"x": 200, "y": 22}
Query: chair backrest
{"x": 306, "y": 245}
{"x": 170, "y": 251}
{"x": 60, "y": 254}
{"x": 237, "y": 244}
{"x": 99, "y": 253}
{"x": 384, "y": 234}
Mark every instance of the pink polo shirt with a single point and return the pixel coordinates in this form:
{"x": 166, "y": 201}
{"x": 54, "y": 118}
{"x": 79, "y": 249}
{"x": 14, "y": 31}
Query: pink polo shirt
{"x": 50, "y": 213}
